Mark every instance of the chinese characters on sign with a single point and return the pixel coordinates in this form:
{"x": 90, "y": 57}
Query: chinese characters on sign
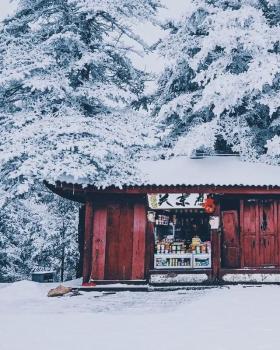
{"x": 176, "y": 200}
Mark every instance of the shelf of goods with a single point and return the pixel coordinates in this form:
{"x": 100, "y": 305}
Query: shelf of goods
{"x": 182, "y": 261}
{"x": 201, "y": 261}
{"x": 166, "y": 261}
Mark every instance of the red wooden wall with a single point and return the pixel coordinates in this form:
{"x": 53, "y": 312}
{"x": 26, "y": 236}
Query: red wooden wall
{"x": 259, "y": 224}
{"x": 231, "y": 240}
{"x": 99, "y": 241}
{"x": 88, "y": 241}
{"x": 251, "y": 235}
{"x": 118, "y": 241}
{"x": 115, "y": 239}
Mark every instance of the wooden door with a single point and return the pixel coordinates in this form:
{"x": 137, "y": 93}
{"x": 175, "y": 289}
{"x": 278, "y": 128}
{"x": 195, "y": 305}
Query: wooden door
{"x": 230, "y": 239}
{"x": 119, "y": 246}
{"x": 250, "y": 236}
{"x": 125, "y": 240}
{"x": 268, "y": 233}
{"x": 259, "y": 233}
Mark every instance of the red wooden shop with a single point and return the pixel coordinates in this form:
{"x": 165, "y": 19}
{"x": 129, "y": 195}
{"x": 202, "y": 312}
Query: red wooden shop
{"x": 209, "y": 220}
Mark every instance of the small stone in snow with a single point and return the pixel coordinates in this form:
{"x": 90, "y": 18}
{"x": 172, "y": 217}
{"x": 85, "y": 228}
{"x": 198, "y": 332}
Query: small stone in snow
{"x": 59, "y": 291}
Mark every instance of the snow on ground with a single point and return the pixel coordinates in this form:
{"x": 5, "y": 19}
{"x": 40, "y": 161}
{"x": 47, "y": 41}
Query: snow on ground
{"x": 215, "y": 319}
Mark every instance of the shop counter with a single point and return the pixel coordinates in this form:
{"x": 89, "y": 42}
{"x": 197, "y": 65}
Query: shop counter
{"x": 182, "y": 261}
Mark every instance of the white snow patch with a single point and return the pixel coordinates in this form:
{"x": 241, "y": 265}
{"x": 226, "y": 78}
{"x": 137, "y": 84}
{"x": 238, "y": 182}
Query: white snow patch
{"x": 252, "y": 277}
{"x": 180, "y": 278}
{"x": 215, "y": 170}
{"x": 21, "y": 291}
{"x": 196, "y": 319}
{"x": 210, "y": 170}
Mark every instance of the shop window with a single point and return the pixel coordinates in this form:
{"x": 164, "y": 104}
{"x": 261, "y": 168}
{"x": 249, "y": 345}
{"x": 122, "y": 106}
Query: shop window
{"x": 182, "y": 239}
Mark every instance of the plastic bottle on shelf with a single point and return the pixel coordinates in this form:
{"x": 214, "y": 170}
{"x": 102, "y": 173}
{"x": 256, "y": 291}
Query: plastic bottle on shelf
{"x": 208, "y": 244}
{"x": 158, "y": 248}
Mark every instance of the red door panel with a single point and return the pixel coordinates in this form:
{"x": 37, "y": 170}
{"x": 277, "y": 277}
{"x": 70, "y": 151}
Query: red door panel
{"x": 268, "y": 250}
{"x": 99, "y": 242}
{"x": 250, "y": 251}
{"x": 250, "y": 224}
{"x": 267, "y": 217}
{"x": 112, "y": 243}
{"x": 250, "y": 219}
{"x": 267, "y": 233}
{"x": 259, "y": 233}
{"x": 125, "y": 241}
{"x": 231, "y": 241}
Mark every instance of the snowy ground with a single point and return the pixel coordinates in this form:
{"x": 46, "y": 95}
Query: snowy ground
{"x": 214, "y": 319}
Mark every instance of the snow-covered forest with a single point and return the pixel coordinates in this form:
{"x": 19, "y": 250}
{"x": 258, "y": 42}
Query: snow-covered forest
{"x": 75, "y": 102}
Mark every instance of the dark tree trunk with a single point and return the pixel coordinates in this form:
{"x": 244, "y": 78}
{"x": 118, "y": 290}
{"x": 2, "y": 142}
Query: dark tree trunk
{"x": 62, "y": 268}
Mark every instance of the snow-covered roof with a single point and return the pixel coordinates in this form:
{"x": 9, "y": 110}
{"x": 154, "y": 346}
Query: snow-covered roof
{"x": 212, "y": 170}
{"x": 206, "y": 171}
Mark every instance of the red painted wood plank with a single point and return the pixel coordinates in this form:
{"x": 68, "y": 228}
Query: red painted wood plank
{"x": 216, "y": 254}
{"x": 241, "y": 223}
{"x": 112, "y": 245}
{"x": 125, "y": 241}
{"x": 231, "y": 239}
{"x": 88, "y": 241}
{"x": 139, "y": 242}
{"x": 250, "y": 233}
{"x": 99, "y": 243}
{"x": 278, "y": 230}
{"x": 268, "y": 234}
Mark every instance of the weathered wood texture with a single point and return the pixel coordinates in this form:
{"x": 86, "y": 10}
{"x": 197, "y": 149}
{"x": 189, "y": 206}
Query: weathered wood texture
{"x": 119, "y": 241}
{"x": 112, "y": 245}
{"x": 116, "y": 230}
{"x": 88, "y": 241}
{"x": 81, "y": 238}
{"x": 259, "y": 232}
{"x": 139, "y": 242}
{"x": 216, "y": 254}
{"x": 230, "y": 239}
{"x": 99, "y": 242}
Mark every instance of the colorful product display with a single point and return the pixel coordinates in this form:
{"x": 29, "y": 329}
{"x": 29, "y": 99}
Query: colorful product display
{"x": 201, "y": 261}
{"x": 163, "y": 262}
{"x": 162, "y": 220}
{"x": 180, "y": 247}
{"x": 178, "y": 243}
{"x": 181, "y": 255}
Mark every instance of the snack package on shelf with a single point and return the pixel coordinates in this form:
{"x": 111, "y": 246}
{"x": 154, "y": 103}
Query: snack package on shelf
{"x": 201, "y": 261}
{"x": 169, "y": 247}
{"x": 162, "y": 220}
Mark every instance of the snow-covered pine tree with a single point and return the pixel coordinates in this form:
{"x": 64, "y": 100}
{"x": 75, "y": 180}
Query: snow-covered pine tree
{"x": 38, "y": 232}
{"x": 66, "y": 89}
{"x": 222, "y": 80}
{"x": 66, "y": 85}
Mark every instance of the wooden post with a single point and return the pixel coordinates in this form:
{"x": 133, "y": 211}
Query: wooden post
{"x": 150, "y": 247}
{"x": 99, "y": 243}
{"x": 216, "y": 254}
{"x": 81, "y": 238}
{"x": 139, "y": 242}
{"x": 88, "y": 241}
